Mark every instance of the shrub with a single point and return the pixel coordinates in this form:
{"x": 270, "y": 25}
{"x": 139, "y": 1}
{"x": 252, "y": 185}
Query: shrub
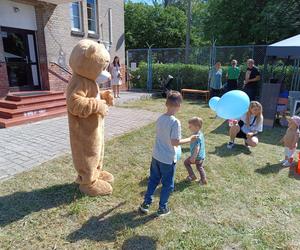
{"x": 185, "y": 75}
{"x": 193, "y": 76}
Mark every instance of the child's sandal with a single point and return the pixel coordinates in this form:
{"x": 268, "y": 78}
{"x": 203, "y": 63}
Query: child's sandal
{"x": 203, "y": 182}
{"x": 190, "y": 179}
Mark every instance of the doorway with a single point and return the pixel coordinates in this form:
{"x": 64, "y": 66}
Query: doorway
{"x": 21, "y": 58}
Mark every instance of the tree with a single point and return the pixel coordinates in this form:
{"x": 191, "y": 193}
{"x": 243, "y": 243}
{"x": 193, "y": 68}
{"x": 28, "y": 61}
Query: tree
{"x": 239, "y": 22}
{"x": 279, "y": 20}
{"x": 163, "y": 27}
{"x": 231, "y": 21}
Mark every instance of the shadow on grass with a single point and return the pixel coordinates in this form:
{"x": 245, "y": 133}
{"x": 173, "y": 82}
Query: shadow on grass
{"x": 179, "y": 187}
{"x": 223, "y": 151}
{"x": 269, "y": 169}
{"x": 293, "y": 174}
{"x": 276, "y": 168}
{"x": 139, "y": 243}
{"x": 222, "y": 129}
{"x": 272, "y": 135}
{"x": 14, "y": 207}
{"x": 102, "y": 228}
{"x": 197, "y": 102}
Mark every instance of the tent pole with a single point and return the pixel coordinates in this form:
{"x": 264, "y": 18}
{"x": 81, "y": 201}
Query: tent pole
{"x": 293, "y": 76}
{"x": 265, "y": 73}
{"x": 298, "y": 74}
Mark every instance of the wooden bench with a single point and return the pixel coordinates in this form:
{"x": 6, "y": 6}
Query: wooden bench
{"x": 204, "y": 93}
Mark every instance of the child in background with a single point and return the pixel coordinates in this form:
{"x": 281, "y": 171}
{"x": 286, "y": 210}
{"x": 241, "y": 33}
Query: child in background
{"x": 163, "y": 165}
{"x": 197, "y": 149}
{"x": 215, "y": 80}
{"x": 290, "y": 141}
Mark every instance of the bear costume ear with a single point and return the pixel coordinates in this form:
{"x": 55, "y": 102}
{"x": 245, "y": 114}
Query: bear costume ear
{"x": 90, "y": 50}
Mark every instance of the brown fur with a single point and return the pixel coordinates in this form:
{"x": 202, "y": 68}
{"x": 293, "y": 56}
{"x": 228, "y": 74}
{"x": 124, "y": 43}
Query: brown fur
{"x": 86, "y": 110}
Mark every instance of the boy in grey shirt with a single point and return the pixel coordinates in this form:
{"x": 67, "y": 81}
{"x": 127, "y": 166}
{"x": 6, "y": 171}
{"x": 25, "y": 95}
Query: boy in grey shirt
{"x": 163, "y": 165}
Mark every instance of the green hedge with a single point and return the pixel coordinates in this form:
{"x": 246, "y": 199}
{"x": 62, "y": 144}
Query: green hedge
{"x": 188, "y": 75}
{"x": 185, "y": 75}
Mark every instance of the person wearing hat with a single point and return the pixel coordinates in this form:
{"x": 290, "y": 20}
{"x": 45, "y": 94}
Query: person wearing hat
{"x": 290, "y": 141}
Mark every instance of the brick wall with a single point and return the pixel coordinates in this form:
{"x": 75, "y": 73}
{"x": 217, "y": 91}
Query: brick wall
{"x": 59, "y": 41}
{"x": 124, "y": 85}
{"x": 58, "y": 78}
{"x": 4, "y": 85}
{"x": 118, "y": 36}
{"x": 55, "y": 41}
{"x": 43, "y": 13}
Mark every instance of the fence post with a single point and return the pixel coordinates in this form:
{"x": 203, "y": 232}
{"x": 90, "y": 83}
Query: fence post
{"x": 127, "y": 70}
{"x": 149, "y": 75}
{"x": 212, "y": 58}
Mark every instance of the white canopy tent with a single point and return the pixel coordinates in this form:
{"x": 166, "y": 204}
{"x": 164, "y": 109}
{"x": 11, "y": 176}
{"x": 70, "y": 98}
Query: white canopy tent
{"x": 288, "y": 49}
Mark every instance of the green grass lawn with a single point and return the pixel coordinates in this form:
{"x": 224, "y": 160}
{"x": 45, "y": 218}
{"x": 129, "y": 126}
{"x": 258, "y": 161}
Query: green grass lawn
{"x": 251, "y": 202}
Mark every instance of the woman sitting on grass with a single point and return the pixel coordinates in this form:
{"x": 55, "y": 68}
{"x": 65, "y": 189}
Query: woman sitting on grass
{"x": 248, "y": 126}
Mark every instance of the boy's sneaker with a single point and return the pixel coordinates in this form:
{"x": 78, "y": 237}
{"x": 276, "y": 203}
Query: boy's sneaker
{"x": 144, "y": 208}
{"x": 283, "y": 161}
{"x": 230, "y": 145}
{"x": 287, "y": 164}
{"x": 163, "y": 211}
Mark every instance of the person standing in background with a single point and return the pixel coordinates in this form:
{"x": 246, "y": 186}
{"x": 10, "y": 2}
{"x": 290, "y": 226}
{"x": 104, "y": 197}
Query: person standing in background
{"x": 232, "y": 76}
{"x": 116, "y": 79}
{"x": 252, "y": 78}
{"x": 215, "y": 80}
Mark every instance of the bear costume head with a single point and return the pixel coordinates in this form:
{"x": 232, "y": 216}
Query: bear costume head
{"x": 87, "y": 107}
{"x": 88, "y": 59}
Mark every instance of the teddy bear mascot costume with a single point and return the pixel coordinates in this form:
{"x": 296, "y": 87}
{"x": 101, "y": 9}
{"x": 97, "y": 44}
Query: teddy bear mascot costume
{"x": 87, "y": 107}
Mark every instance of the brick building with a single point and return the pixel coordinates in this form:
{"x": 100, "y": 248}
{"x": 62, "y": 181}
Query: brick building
{"x": 36, "y": 39}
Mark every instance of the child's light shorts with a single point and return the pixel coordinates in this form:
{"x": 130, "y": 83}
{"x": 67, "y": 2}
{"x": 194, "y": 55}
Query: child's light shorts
{"x": 289, "y": 153}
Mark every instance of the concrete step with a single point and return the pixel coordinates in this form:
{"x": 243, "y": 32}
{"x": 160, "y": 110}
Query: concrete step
{"x": 27, "y": 95}
{"x": 23, "y": 107}
{"x": 31, "y": 110}
{"x": 5, "y": 123}
{"x": 32, "y": 101}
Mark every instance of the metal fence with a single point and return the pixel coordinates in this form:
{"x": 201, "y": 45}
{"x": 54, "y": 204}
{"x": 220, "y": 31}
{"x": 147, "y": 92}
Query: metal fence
{"x": 204, "y": 56}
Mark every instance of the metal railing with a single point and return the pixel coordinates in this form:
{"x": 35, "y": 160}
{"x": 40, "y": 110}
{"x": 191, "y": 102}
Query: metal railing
{"x": 60, "y": 67}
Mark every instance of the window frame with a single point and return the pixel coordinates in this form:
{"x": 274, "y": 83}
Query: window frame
{"x": 93, "y": 32}
{"x": 79, "y": 4}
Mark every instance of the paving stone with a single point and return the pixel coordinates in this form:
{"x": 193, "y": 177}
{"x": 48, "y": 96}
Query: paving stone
{"x": 26, "y": 146}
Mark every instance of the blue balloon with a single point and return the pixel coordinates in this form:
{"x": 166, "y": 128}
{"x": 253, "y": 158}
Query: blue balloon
{"x": 233, "y": 105}
{"x": 213, "y": 103}
{"x": 178, "y": 153}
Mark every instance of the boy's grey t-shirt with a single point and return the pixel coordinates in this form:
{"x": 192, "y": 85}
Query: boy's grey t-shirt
{"x": 167, "y": 128}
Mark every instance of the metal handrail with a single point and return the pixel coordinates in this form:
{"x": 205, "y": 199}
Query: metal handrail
{"x": 62, "y": 68}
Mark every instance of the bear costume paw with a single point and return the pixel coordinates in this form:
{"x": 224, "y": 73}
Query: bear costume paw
{"x": 107, "y": 96}
{"x": 99, "y": 187}
{"x": 106, "y": 176}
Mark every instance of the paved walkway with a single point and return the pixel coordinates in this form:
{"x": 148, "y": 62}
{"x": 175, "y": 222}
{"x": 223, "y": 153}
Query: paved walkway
{"x": 24, "y": 147}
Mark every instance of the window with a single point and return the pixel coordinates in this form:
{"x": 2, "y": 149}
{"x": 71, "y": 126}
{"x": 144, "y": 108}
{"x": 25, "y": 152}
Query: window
{"x": 76, "y": 16}
{"x": 92, "y": 16}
